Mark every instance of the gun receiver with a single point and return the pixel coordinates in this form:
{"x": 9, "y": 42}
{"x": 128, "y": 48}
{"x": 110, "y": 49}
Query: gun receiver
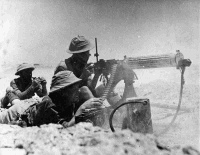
{"x": 104, "y": 66}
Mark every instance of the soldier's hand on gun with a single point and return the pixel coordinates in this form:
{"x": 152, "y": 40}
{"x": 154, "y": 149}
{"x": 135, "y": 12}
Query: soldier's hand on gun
{"x": 88, "y": 70}
{"x": 90, "y": 67}
{"x": 93, "y": 103}
{"x": 98, "y": 70}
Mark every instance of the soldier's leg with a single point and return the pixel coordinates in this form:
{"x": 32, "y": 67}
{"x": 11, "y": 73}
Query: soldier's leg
{"x": 42, "y": 113}
{"x": 13, "y": 112}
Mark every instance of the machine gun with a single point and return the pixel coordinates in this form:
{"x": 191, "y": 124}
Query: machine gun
{"x": 104, "y": 67}
{"x": 109, "y": 69}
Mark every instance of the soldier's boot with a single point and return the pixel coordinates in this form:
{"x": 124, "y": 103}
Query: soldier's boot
{"x": 4, "y": 102}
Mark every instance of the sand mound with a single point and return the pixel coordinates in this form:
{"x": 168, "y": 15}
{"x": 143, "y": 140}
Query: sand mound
{"x": 81, "y": 139}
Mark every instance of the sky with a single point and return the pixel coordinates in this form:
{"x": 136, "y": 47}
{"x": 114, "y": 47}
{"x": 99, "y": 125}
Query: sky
{"x": 40, "y": 31}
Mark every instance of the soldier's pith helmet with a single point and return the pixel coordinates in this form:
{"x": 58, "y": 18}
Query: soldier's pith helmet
{"x": 79, "y": 44}
{"x": 24, "y": 66}
{"x": 63, "y": 79}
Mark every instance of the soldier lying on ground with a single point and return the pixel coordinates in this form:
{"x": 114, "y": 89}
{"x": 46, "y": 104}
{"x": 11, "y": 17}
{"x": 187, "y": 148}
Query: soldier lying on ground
{"x": 58, "y": 107}
{"x": 25, "y": 86}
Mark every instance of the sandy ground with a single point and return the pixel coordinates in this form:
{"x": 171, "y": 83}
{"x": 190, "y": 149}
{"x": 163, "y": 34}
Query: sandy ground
{"x": 161, "y": 86}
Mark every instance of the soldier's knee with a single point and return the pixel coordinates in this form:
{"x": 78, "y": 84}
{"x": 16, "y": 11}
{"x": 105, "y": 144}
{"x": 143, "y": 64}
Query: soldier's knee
{"x": 100, "y": 90}
{"x": 85, "y": 93}
{"x": 9, "y": 89}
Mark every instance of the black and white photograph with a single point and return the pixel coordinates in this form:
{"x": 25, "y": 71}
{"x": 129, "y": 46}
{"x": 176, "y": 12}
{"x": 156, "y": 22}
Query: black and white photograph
{"x": 99, "y": 77}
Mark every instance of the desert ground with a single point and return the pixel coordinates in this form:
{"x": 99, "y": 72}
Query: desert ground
{"x": 161, "y": 86}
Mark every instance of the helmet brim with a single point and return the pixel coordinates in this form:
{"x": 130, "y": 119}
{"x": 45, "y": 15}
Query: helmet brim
{"x": 24, "y": 68}
{"x": 90, "y": 47}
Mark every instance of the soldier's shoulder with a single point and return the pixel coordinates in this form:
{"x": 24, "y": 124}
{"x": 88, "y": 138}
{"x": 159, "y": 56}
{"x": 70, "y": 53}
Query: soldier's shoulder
{"x": 15, "y": 80}
{"x": 60, "y": 67}
{"x": 62, "y": 64}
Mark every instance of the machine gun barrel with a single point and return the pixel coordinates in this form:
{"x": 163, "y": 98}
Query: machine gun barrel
{"x": 155, "y": 61}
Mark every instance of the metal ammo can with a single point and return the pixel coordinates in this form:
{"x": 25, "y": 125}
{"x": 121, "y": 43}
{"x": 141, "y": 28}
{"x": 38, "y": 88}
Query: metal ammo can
{"x": 137, "y": 116}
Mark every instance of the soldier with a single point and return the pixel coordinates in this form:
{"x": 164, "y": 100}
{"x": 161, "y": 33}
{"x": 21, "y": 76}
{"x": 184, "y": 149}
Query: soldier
{"x": 25, "y": 86}
{"x": 80, "y": 49}
{"x": 58, "y": 107}
{"x": 64, "y": 93}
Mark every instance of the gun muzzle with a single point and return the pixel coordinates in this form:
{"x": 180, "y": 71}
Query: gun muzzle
{"x": 184, "y": 63}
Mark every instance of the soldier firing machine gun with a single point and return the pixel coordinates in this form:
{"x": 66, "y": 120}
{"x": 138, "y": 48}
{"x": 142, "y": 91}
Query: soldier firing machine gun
{"x": 109, "y": 69}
